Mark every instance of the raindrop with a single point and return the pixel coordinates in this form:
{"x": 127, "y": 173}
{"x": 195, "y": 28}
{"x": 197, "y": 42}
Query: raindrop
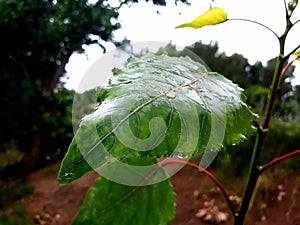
{"x": 171, "y": 94}
{"x": 242, "y": 136}
{"x": 68, "y": 175}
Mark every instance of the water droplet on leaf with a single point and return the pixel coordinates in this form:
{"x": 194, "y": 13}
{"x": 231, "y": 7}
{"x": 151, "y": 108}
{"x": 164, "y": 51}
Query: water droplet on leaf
{"x": 68, "y": 175}
{"x": 171, "y": 94}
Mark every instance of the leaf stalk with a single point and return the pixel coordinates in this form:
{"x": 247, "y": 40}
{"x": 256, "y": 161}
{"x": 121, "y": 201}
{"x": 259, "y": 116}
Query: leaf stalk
{"x": 255, "y": 22}
{"x": 278, "y": 160}
{"x": 209, "y": 175}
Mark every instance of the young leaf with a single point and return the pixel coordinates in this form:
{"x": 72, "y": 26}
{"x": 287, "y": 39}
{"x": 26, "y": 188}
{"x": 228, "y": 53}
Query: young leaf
{"x": 297, "y": 54}
{"x": 115, "y": 204}
{"x": 211, "y": 17}
{"x": 158, "y": 106}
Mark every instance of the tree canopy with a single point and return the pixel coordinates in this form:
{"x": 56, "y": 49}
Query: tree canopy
{"x": 37, "y": 39}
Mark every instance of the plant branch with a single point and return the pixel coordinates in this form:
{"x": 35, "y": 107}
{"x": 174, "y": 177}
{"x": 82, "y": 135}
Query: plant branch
{"x": 294, "y": 50}
{"x": 255, "y": 22}
{"x": 297, "y": 21}
{"x": 253, "y": 176}
{"x": 59, "y": 72}
{"x": 287, "y": 67}
{"x": 208, "y": 174}
{"x": 286, "y": 9}
{"x": 262, "y": 130}
{"x": 24, "y": 68}
{"x": 272, "y": 97}
{"x": 278, "y": 160}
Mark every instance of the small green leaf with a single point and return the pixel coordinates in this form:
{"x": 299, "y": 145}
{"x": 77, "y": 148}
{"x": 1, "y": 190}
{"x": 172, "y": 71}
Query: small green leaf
{"x": 297, "y": 54}
{"x": 114, "y": 204}
{"x": 211, "y": 17}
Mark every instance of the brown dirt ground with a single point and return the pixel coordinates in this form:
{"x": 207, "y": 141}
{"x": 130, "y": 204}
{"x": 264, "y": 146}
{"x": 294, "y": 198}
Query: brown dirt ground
{"x": 51, "y": 204}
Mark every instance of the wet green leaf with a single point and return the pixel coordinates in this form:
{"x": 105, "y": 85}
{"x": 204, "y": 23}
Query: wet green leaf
{"x": 158, "y": 106}
{"x": 114, "y": 204}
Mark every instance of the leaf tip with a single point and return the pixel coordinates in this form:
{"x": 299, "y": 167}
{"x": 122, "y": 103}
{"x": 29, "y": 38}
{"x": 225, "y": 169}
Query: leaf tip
{"x": 183, "y": 25}
{"x": 297, "y": 54}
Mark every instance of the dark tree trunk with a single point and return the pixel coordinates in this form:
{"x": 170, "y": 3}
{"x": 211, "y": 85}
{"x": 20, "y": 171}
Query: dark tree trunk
{"x": 59, "y": 72}
{"x": 33, "y": 154}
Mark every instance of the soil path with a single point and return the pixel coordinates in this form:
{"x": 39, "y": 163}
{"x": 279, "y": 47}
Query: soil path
{"x": 51, "y": 204}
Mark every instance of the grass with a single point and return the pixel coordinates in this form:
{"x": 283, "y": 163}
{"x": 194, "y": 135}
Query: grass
{"x": 12, "y": 209}
{"x": 15, "y": 215}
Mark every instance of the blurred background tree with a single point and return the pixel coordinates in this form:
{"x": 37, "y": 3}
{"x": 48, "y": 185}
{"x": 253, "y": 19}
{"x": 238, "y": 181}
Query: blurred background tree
{"x": 37, "y": 39}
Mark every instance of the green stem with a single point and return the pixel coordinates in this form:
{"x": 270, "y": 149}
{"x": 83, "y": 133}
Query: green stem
{"x": 274, "y": 88}
{"x": 253, "y": 176}
{"x": 262, "y": 131}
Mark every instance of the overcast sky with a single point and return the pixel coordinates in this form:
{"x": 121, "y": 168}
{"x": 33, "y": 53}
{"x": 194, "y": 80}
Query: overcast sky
{"x": 145, "y": 22}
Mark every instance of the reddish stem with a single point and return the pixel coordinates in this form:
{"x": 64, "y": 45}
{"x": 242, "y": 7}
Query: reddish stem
{"x": 208, "y": 174}
{"x": 287, "y": 67}
{"x": 277, "y": 160}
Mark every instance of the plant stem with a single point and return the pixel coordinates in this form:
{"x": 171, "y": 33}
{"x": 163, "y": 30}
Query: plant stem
{"x": 278, "y": 160}
{"x": 262, "y": 130}
{"x": 208, "y": 174}
{"x": 255, "y": 22}
{"x": 261, "y": 133}
{"x": 287, "y": 67}
{"x": 253, "y": 176}
{"x": 274, "y": 88}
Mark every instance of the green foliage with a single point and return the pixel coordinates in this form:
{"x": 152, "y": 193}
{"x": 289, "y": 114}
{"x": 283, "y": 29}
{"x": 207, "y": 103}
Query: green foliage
{"x": 41, "y": 36}
{"x": 14, "y": 191}
{"x": 10, "y": 156}
{"x": 16, "y": 215}
{"x": 257, "y": 97}
{"x": 289, "y": 110}
{"x": 50, "y": 117}
{"x": 284, "y": 137}
{"x": 189, "y": 102}
{"x": 255, "y": 79}
{"x": 12, "y": 209}
{"x": 112, "y": 203}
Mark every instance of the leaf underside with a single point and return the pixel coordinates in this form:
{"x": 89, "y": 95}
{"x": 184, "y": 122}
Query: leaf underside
{"x": 158, "y": 106}
{"x": 114, "y": 204}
